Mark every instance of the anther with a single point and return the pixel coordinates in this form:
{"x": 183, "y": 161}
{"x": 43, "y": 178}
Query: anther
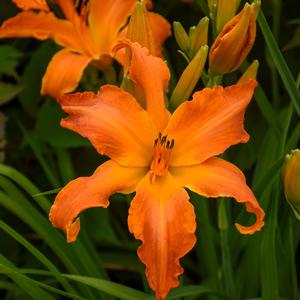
{"x": 155, "y": 142}
{"x": 168, "y": 145}
{"x": 163, "y": 140}
{"x": 172, "y": 144}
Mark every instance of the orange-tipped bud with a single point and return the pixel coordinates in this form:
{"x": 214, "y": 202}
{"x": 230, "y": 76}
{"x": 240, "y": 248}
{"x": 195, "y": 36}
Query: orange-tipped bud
{"x": 189, "y": 78}
{"x": 291, "y": 180}
{"x": 250, "y": 73}
{"x": 234, "y": 42}
{"x": 139, "y": 29}
{"x": 225, "y": 12}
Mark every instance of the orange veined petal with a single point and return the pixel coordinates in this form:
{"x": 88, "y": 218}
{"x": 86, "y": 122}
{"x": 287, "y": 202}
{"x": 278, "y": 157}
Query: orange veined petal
{"x": 63, "y": 73}
{"x": 161, "y": 217}
{"x": 152, "y": 75}
{"x": 210, "y": 123}
{"x": 114, "y": 122}
{"x": 32, "y": 4}
{"x": 94, "y": 191}
{"x": 106, "y": 19}
{"x": 81, "y": 31}
{"x": 218, "y": 178}
{"x": 161, "y": 30}
{"x": 42, "y": 26}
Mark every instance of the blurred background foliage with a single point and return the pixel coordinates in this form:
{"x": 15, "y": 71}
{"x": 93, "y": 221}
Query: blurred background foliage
{"x": 38, "y": 157}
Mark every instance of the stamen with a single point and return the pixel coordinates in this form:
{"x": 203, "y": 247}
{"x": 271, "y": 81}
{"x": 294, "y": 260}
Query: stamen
{"x": 172, "y": 144}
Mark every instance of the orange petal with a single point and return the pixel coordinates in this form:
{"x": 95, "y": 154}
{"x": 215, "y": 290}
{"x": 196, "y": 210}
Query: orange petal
{"x": 106, "y": 19}
{"x": 63, "y": 73}
{"x": 218, "y": 178}
{"x": 152, "y": 75}
{"x": 32, "y": 4}
{"x": 161, "y": 30}
{"x": 210, "y": 123}
{"x": 42, "y": 26}
{"x": 161, "y": 217}
{"x": 93, "y": 191}
{"x": 68, "y": 9}
{"x": 114, "y": 122}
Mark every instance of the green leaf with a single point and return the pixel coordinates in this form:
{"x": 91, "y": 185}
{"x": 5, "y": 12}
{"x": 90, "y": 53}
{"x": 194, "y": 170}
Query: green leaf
{"x": 39, "y": 255}
{"x": 30, "y": 288}
{"x": 195, "y": 290}
{"x": 9, "y": 59}
{"x": 279, "y": 61}
{"x": 32, "y": 77}
{"x": 48, "y": 129}
{"x": 114, "y": 289}
{"x": 295, "y": 41}
{"x": 9, "y": 91}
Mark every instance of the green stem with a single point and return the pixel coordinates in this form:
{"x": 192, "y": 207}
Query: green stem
{"x": 225, "y": 248}
{"x": 295, "y": 293}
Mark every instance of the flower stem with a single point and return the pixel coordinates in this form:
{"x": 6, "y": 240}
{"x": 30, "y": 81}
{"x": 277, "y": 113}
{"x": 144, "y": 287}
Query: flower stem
{"x": 226, "y": 255}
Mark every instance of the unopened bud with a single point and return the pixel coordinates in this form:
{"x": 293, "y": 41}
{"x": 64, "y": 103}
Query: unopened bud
{"x": 225, "y": 12}
{"x": 198, "y": 36}
{"x": 189, "y": 78}
{"x": 139, "y": 29}
{"x": 234, "y": 42}
{"x": 291, "y": 180}
{"x": 250, "y": 73}
{"x": 181, "y": 37}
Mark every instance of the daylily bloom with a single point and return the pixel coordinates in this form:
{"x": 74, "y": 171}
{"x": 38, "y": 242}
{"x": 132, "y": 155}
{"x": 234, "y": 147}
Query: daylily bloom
{"x": 157, "y": 155}
{"x": 88, "y": 34}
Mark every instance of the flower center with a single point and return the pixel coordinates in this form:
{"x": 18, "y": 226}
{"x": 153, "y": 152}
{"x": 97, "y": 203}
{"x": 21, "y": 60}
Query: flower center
{"x": 161, "y": 156}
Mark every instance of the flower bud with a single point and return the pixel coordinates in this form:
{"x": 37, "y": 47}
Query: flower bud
{"x": 250, "y": 73}
{"x": 291, "y": 180}
{"x": 198, "y": 36}
{"x": 225, "y": 12}
{"x": 181, "y": 37}
{"x": 139, "y": 29}
{"x": 234, "y": 42}
{"x": 189, "y": 78}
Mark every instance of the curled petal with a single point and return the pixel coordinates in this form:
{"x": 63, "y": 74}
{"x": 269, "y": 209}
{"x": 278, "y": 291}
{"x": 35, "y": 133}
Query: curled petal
{"x": 42, "y": 25}
{"x": 114, "y": 122}
{"x": 161, "y": 217}
{"x": 152, "y": 75}
{"x": 106, "y": 18}
{"x": 63, "y": 73}
{"x": 32, "y": 4}
{"x": 94, "y": 191}
{"x": 210, "y": 123}
{"x": 219, "y": 178}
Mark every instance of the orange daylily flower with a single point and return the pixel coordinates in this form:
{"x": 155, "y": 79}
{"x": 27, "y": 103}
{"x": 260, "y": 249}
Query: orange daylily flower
{"x": 88, "y": 34}
{"x": 157, "y": 155}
